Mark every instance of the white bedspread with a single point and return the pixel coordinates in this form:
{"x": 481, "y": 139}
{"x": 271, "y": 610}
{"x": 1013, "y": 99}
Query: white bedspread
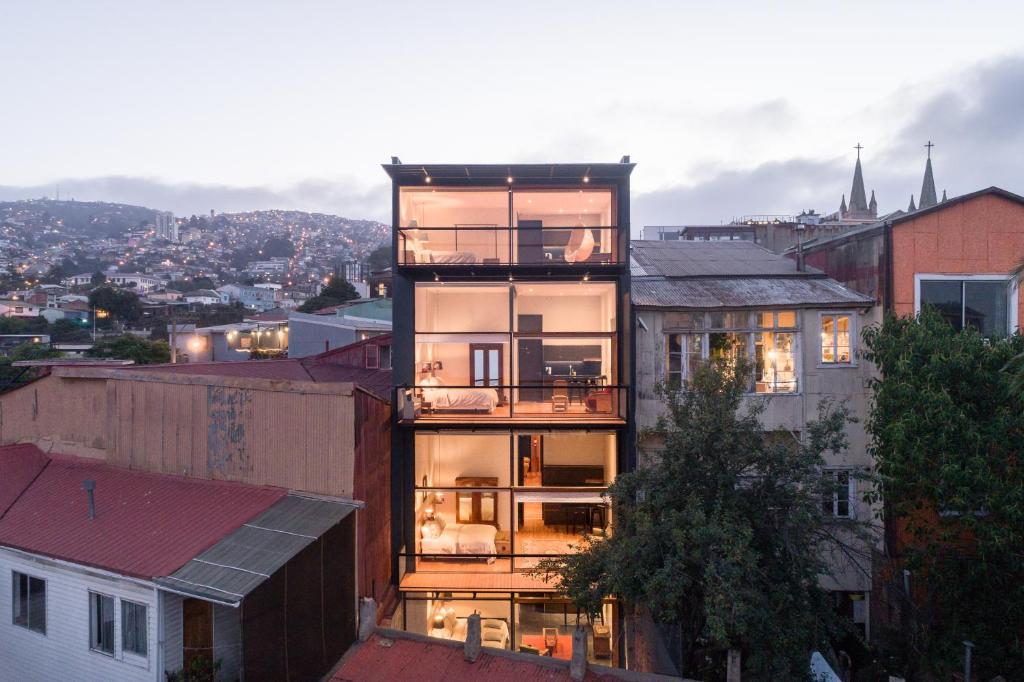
{"x": 449, "y": 256}
{"x": 443, "y": 398}
{"x": 469, "y": 538}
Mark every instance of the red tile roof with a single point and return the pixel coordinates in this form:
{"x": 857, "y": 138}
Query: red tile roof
{"x": 146, "y": 525}
{"x": 390, "y": 655}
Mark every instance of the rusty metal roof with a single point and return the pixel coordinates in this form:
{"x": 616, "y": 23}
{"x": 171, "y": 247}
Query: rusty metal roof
{"x": 392, "y": 655}
{"x": 250, "y": 554}
{"x": 737, "y": 258}
{"x": 146, "y": 525}
{"x": 744, "y": 292}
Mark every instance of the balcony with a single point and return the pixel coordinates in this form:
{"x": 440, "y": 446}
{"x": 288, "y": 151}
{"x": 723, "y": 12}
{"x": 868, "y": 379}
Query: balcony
{"x": 543, "y": 401}
{"x": 563, "y": 247}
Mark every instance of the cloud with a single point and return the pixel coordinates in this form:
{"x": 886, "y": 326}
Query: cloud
{"x": 318, "y": 195}
{"x": 974, "y": 119}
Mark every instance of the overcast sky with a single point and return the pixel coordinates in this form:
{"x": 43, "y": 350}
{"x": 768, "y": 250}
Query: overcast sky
{"x": 728, "y": 108}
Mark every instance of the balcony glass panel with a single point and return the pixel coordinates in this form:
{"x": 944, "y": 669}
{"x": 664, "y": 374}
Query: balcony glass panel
{"x": 447, "y": 618}
{"x": 565, "y": 307}
{"x": 563, "y": 226}
{"x": 565, "y": 459}
{"x": 452, "y": 307}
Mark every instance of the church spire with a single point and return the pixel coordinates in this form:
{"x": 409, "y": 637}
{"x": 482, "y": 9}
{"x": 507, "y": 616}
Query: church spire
{"x": 911, "y": 208}
{"x": 873, "y": 205}
{"x": 928, "y": 186}
{"x": 858, "y": 199}
{"x": 944, "y": 196}
{"x": 842, "y": 207}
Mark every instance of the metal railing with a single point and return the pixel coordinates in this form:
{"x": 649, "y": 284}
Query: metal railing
{"x": 514, "y": 402}
{"x": 494, "y": 245}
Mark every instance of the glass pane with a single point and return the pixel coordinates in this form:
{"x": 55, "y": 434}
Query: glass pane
{"x": 731, "y": 320}
{"x": 776, "y": 363}
{"x": 19, "y": 590}
{"x": 675, "y": 343}
{"x": 487, "y": 507}
{"x": 133, "y": 628}
{"x": 465, "y": 508}
{"x": 37, "y": 605}
{"x": 493, "y": 369}
{"x": 727, "y": 346}
{"x": 675, "y": 364}
{"x": 787, "y": 318}
{"x": 985, "y": 307}
{"x": 478, "y": 367}
{"x": 683, "y": 321}
{"x": 427, "y": 207}
{"x": 559, "y": 226}
{"x": 565, "y": 307}
{"x": 843, "y": 344}
{"x": 828, "y": 338}
{"x": 765, "y": 320}
{"x": 842, "y": 493}
{"x": 945, "y": 296}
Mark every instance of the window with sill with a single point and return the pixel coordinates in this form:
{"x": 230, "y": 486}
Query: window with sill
{"x": 28, "y": 597}
{"x": 768, "y": 337}
{"x": 982, "y": 303}
{"x": 133, "y": 628}
{"x": 836, "y": 339}
{"x": 101, "y": 623}
{"x": 838, "y": 494}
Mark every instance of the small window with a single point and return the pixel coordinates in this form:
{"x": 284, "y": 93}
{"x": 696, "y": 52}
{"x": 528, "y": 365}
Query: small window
{"x": 133, "y": 628}
{"x": 28, "y": 596}
{"x": 101, "y": 623}
{"x": 685, "y": 353}
{"x": 836, "y": 339}
{"x": 385, "y": 357}
{"x": 838, "y": 494}
{"x": 372, "y": 354}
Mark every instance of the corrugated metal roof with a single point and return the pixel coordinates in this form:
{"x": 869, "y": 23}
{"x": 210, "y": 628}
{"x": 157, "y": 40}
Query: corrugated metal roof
{"x": 19, "y": 465}
{"x": 146, "y": 524}
{"x": 737, "y": 258}
{"x": 391, "y": 655}
{"x": 743, "y": 292}
{"x": 242, "y": 560}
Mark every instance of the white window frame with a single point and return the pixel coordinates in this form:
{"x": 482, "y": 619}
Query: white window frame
{"x": 46, "y": 602}
{"x": 851, "y": 492}
{"x": 852, "y": 314}
{"x": 113, "y": 599}
{"x": 126, "y": 654}
{"x": 1011, "y": 293}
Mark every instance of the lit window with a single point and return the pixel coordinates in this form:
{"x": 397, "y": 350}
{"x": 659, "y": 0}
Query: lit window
{"x": 385, "y": 357}
{"x": 28, "y": 596}
{"x": 836, "y": 339}
{"x": 133, "y": 628}
{"x": 838, "y": 493}
{"x": 101, "y": 623}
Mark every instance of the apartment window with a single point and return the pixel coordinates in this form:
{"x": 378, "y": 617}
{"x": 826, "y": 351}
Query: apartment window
{"x": 101, "y": 623}
{"x": 770, "y": 338}
{"x": 385, "y": 357}
{"x": 28, "y": 597}
{"x": 836, "y": 339}
{"x": 838, "y": 494}
{"x": 979, "y": 302}
{"x": 133, "y": 628}
{"x": 372, "y": 356}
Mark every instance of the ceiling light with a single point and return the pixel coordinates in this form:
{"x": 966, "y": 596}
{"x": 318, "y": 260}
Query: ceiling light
{"x": 509, "y": 179}
{"x": 586, "y": 178}
{"x": 427, "y": 179}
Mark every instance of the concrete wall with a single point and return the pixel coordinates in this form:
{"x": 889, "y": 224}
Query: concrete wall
{"x": 297, "y": 435}
{"x": 785, "y": 412}
{"x": 63, "y": 652}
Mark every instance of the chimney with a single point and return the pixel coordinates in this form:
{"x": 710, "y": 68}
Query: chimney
{"x": 367, "y": 618}
{"x": 472, "y": 646}
{"x": 89, "y": 485}
{"x": 801, "y": 266}
{"x": 578, "y": 662}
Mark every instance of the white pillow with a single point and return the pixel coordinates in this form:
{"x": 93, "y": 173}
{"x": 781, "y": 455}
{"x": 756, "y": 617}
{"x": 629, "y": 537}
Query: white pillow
{"x": 431, "y": 529}
{"x": 492, "y": 635}
{"x": 430, "y": 381}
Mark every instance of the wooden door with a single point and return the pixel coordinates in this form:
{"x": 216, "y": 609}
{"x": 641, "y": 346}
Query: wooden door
{"x": 197, "y": 631}
{"x": 481, "y": 508}
{"x": 485, "y": 364}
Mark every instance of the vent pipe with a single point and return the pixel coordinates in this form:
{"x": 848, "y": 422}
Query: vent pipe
{"x": 89, "y": 485}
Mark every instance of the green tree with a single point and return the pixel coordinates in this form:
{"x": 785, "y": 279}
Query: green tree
{"x": 121, "y": 305}
{"x": 379, "y": 258}
{"x": 98, "y": 279}
{"x": 719, "y": 534}
{"x": 130, "y": 347}
{"x": 337, "y": 291}
{"x": 947, "y": 429}
{"x": 68, "y": 331}
{"x": 13, "y": 377}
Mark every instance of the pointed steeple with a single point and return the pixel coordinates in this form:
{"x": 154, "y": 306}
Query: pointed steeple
{"x": 842, "y": 207}
{"x": 873, "y": 205}
{"x": 944, "y": 196}
{"x": 928, "y": 186}
{"x": 911, "y": 208}
{"x": 858, "y": 199}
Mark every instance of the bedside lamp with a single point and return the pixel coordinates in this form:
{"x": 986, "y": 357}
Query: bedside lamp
{"x": 428, "y": 513}
{"x": 438, "y": 365}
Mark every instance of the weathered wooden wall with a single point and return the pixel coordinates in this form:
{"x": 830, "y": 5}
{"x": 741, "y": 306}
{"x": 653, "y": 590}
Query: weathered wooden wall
{"x": 297, "y": 435}
{"x": 373, "y": 486}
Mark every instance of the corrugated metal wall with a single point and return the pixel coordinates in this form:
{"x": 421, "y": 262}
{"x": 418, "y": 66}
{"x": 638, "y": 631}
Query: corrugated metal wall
{"x": 296, "y": 435}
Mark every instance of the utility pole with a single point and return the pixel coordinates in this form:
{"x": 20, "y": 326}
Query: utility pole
{"x": 174, "y": 338}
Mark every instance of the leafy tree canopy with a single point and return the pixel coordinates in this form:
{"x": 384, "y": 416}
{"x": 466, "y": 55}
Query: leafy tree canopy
{"x": 337, "y": 291}
{"x": 98, "y": 278}
{"x": 379, "y": 258}
{"x": 948, "y": 432}
{"x": 720, "y": 532}
{"x": 278, "y": 247}
{"x": 121, "y": 305}
{"x": 130, "y": 347}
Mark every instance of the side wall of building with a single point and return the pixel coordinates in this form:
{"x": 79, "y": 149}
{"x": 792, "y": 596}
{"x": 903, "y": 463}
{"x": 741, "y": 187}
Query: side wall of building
{"x": 372, "y": 477}
{"x": 63, "y": 651}
{"x": 984, "y": 235}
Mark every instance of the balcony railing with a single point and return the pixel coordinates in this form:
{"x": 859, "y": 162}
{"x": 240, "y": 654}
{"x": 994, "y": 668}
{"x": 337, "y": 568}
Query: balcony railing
{"x": 489, "y": 245}
{"x": 512, "y": 403}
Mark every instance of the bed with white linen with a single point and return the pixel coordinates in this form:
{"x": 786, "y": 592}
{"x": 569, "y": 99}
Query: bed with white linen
{"x": 493, "y": 631}
{"x": 422, "y": 254}
{"x": 460, "y": 399}
{"x": 458, "y": 538}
